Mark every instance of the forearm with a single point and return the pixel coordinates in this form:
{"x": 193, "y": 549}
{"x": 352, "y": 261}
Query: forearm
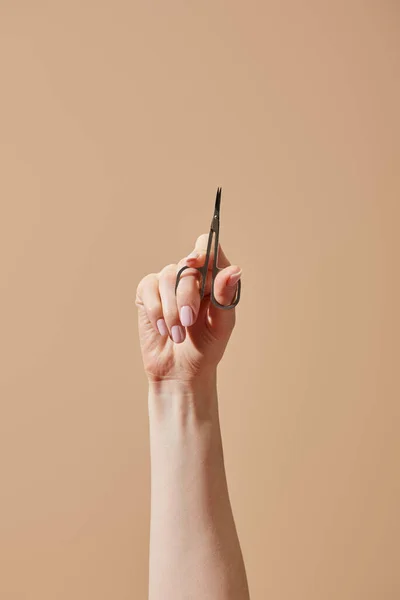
{"x": 194, "y": 548}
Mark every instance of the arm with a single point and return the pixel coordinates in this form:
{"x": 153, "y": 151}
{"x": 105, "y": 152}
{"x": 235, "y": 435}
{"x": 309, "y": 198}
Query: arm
{"x": 194, "y": 547}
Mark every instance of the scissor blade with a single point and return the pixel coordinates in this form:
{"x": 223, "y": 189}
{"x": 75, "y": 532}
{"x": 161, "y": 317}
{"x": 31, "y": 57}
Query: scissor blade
{"x": 215, "y": 219}
{"x": 217, "y": 202}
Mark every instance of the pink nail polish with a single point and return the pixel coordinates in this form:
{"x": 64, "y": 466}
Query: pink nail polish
{"x": 187, "y": 316}
{"x": 177, "y": 334}
{"x": 233, "y": 279}
{"x": 193, "y": 255}
{"x": 161, "y": 326}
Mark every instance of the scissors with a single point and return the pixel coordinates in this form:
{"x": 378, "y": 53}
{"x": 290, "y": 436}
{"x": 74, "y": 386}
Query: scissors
{"x": 214, "y": 229}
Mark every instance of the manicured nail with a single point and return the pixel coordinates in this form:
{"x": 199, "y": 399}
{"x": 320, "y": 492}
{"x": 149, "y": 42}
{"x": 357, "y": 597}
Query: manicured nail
{"x": 233, "y": 279}
{"x": 187, "y": 316}
{"x": 161, "y": 326}
{"x": 178, "y": 334}
{"x": 193, "y": 255}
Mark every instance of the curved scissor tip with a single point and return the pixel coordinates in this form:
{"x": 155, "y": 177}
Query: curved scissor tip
{"x": 218, "y": 201}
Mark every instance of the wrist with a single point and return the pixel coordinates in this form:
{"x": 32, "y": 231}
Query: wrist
{"x": 177, "y": 399}
{"x": 174, "y": 387}
{"x": 185, "y": 435}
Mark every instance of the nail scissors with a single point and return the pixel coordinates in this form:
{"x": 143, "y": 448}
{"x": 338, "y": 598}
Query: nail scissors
{"x": 214, "y": 229}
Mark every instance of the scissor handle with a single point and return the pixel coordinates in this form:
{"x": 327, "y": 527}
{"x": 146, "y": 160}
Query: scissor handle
{"x": 226, "y": 306}
{"x": 203, "y": 271}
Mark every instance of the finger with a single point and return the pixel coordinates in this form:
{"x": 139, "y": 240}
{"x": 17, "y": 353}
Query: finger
{"x": 197, "y": 257}
{"x": 166, "y": 286}
{"x": 225, "y": 285}
{"x": 148, "y": 298}
{"x": 195, "y": 274}
{"x": 188, "y": 296}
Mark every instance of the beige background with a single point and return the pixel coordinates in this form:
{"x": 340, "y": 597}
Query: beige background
{"x": 118, "y": 121}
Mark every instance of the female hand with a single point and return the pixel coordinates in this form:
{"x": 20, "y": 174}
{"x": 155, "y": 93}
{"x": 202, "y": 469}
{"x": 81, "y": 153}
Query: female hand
{"x": 181, "y": 337}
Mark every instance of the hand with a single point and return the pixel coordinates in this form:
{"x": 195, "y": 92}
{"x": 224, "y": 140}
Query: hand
{"x": 181, "y": 337}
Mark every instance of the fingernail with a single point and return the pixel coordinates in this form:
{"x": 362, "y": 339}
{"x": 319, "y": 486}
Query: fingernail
{"x": 177, "y": 333}
{"x": 192, "y": 255}
{"x": 187, "y": 316}
{"x": 161, "y": 326}
{"x": 233, "y": 279}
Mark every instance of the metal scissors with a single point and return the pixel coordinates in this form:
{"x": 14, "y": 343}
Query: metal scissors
{"x": 214, "y": 229}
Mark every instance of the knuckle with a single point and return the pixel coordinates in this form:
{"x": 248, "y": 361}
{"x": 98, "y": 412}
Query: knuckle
{"x": 153, "y": 310}
{"x": 171, "y": 277}
{"x": 139, "y": 288}
{"x": 168, "y": 270}
{"x": 187, "y": 292}
{"x": 181, "y": 263}
{"x": 143, "y": 282}
{"x": 201, "y": 241}
{"x": 170, "y": 314}
{"x": 187, "y": 289}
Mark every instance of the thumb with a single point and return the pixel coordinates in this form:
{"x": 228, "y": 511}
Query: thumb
{"x": 225, "y": 287}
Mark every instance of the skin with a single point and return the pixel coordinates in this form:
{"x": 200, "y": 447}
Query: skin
{"x": 194, "y": 547}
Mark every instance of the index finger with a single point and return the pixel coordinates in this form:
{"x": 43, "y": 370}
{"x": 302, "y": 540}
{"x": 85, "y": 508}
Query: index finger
{"x": 200, "y": 249}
